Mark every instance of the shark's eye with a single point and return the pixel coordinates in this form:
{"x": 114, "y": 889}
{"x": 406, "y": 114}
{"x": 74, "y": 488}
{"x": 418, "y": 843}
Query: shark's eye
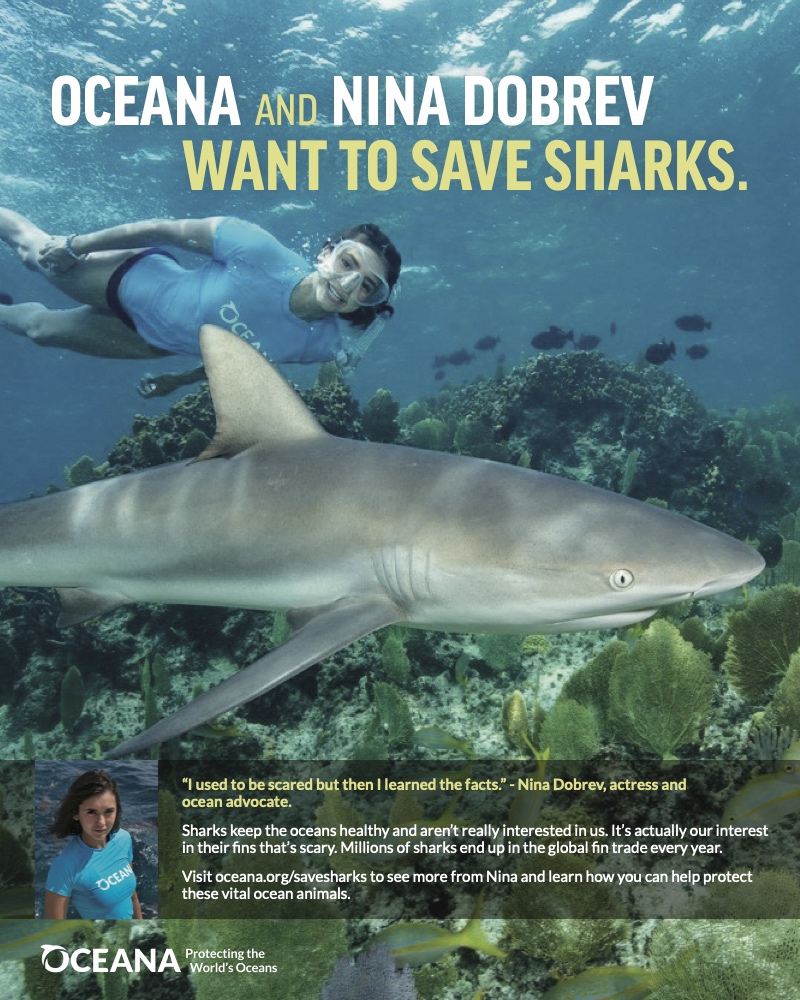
{"x": 621, "y": 579}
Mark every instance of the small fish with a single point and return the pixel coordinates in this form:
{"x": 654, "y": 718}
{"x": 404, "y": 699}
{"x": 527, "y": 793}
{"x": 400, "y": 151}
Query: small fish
{"x": 613, "y": 328}
{"x": 218, "y": 731}
{"x": 462, "y": 669}
{"x": 439, "y": 375}
{"x": 418, "y": 944}
{"x": 5, "y": 299}
{"x": 769, "y": 797}
{"x": 692, "y": 324}
{"x": 462, "y": 357}
{"x": 657, "y": 354}
{"x": 606, "y": 982}
{"x": 587, "y": 342}
{"x": 551, "y": 339}
{"x": 697, "y": 351}
{"x": 487, "y": 343}
{"x": 436, "y": 738}
{"x": 527, "y": 804}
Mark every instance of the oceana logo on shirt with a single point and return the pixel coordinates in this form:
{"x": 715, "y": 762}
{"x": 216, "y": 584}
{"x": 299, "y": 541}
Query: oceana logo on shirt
{"x": 120, "y": 876}
{"x": 56, "y": 958}
{"x": 229, "y": 314}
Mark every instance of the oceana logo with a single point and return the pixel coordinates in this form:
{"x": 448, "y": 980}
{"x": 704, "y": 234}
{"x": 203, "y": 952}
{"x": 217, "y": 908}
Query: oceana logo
{"x": 55, "y": 958}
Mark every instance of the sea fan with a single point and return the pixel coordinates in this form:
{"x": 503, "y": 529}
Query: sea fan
{"x": 372, "y": 976}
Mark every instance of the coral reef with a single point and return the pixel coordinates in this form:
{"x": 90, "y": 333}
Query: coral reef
{"x": 372, "y": 974}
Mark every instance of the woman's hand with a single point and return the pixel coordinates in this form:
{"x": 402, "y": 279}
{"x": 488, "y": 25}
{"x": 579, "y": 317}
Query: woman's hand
{"x": 55, "y": 257}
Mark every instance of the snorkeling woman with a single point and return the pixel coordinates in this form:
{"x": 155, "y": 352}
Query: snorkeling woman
{"x": 94, "y": 868}
{"x": 140, "y": 302}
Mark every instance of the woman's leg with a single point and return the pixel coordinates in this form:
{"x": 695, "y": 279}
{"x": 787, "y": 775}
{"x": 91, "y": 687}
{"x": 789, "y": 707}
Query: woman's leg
{"x": 83, "y": 330}
{"x": 85, "y": 282}
{"x": 90, "y": 329}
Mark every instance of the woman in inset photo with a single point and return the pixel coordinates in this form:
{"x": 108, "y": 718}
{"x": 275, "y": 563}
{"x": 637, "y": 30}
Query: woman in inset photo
{"x": 95, "y": 869}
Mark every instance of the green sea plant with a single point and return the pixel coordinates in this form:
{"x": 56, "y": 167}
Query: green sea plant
{"x": 558, "y": 922}
{"x": 501, "y": 652}
{"x": 281, "y": 629}
{"x": 788, "y": 569}
{"x": 590, "y": 684}
{"x": 768, "y": 742}
{"x": 150, "y": 450}
{"x": 473, "y": 437}
{"x": 515, "y": 722}
{"x": 151, "y": 714}
{"x": 694, "y": 631}
{"x": 72, "y": 698}
{"x": 379, "y": 418}
{"x": 394, "y": 716}
{"x": 535, "y": 645}
{"x": 771, "y": 894}
{"x": 726, "y": 959}
{"x": 172, "y": 862}
{"x": 394, "y": 658}
{"x": 83, "y": 471}
{"x": 195, "y": 442}
{"x": 785, "y": 705}
{"x": 660, "y": 692}
{"x": 430, "y": 433}
{"x": 416, "y": 411}
{"x": 629, "y": 471}
{"x": 435, "y": 981}
{"x": 761, "y": 640}
{"x": 162, "y": 682}
{"x": 571, "y": 731}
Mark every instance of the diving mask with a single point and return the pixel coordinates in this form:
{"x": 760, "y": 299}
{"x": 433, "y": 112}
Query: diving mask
{"x": 346, "y": 266}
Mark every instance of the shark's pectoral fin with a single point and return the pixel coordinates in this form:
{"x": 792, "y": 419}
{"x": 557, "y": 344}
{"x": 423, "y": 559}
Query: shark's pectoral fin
{"x": 329, "y": 630}
{"x": 78, "y": 604}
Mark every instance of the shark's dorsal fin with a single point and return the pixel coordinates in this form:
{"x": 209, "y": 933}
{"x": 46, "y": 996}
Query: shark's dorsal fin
{"x": 253, "y": 402}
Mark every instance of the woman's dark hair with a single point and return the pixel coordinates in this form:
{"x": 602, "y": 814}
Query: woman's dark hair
{"x": 370, "y": 235}
{"x": 86, "y": 786}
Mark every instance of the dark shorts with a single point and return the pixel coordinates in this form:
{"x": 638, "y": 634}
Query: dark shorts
{"x": 112, "y": 289}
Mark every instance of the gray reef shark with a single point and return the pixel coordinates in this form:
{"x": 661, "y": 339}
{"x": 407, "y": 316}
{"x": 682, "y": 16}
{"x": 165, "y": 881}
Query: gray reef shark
{"x": 349, "y": 536}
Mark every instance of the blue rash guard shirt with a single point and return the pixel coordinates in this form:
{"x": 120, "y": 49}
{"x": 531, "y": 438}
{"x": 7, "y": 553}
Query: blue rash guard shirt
{"x": 245, "y": 288}
{"x": 100, "y": 882}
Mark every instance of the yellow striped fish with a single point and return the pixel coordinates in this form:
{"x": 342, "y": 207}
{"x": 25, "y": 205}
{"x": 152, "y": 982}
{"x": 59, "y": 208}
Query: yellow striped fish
{"x": 21, "y": 939}
{"x": 605, "y": 982}
{"x": 769, "y": 797}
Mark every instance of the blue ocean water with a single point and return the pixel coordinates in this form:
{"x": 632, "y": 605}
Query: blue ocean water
{"x": 138, "y": 782}
{"x": 505, "y": 263}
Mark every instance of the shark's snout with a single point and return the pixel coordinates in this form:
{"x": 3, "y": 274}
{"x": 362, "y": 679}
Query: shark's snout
{"x": 749, "y": 567}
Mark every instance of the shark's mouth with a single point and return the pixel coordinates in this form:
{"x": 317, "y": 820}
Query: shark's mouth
{"x": 617, "y": 619}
